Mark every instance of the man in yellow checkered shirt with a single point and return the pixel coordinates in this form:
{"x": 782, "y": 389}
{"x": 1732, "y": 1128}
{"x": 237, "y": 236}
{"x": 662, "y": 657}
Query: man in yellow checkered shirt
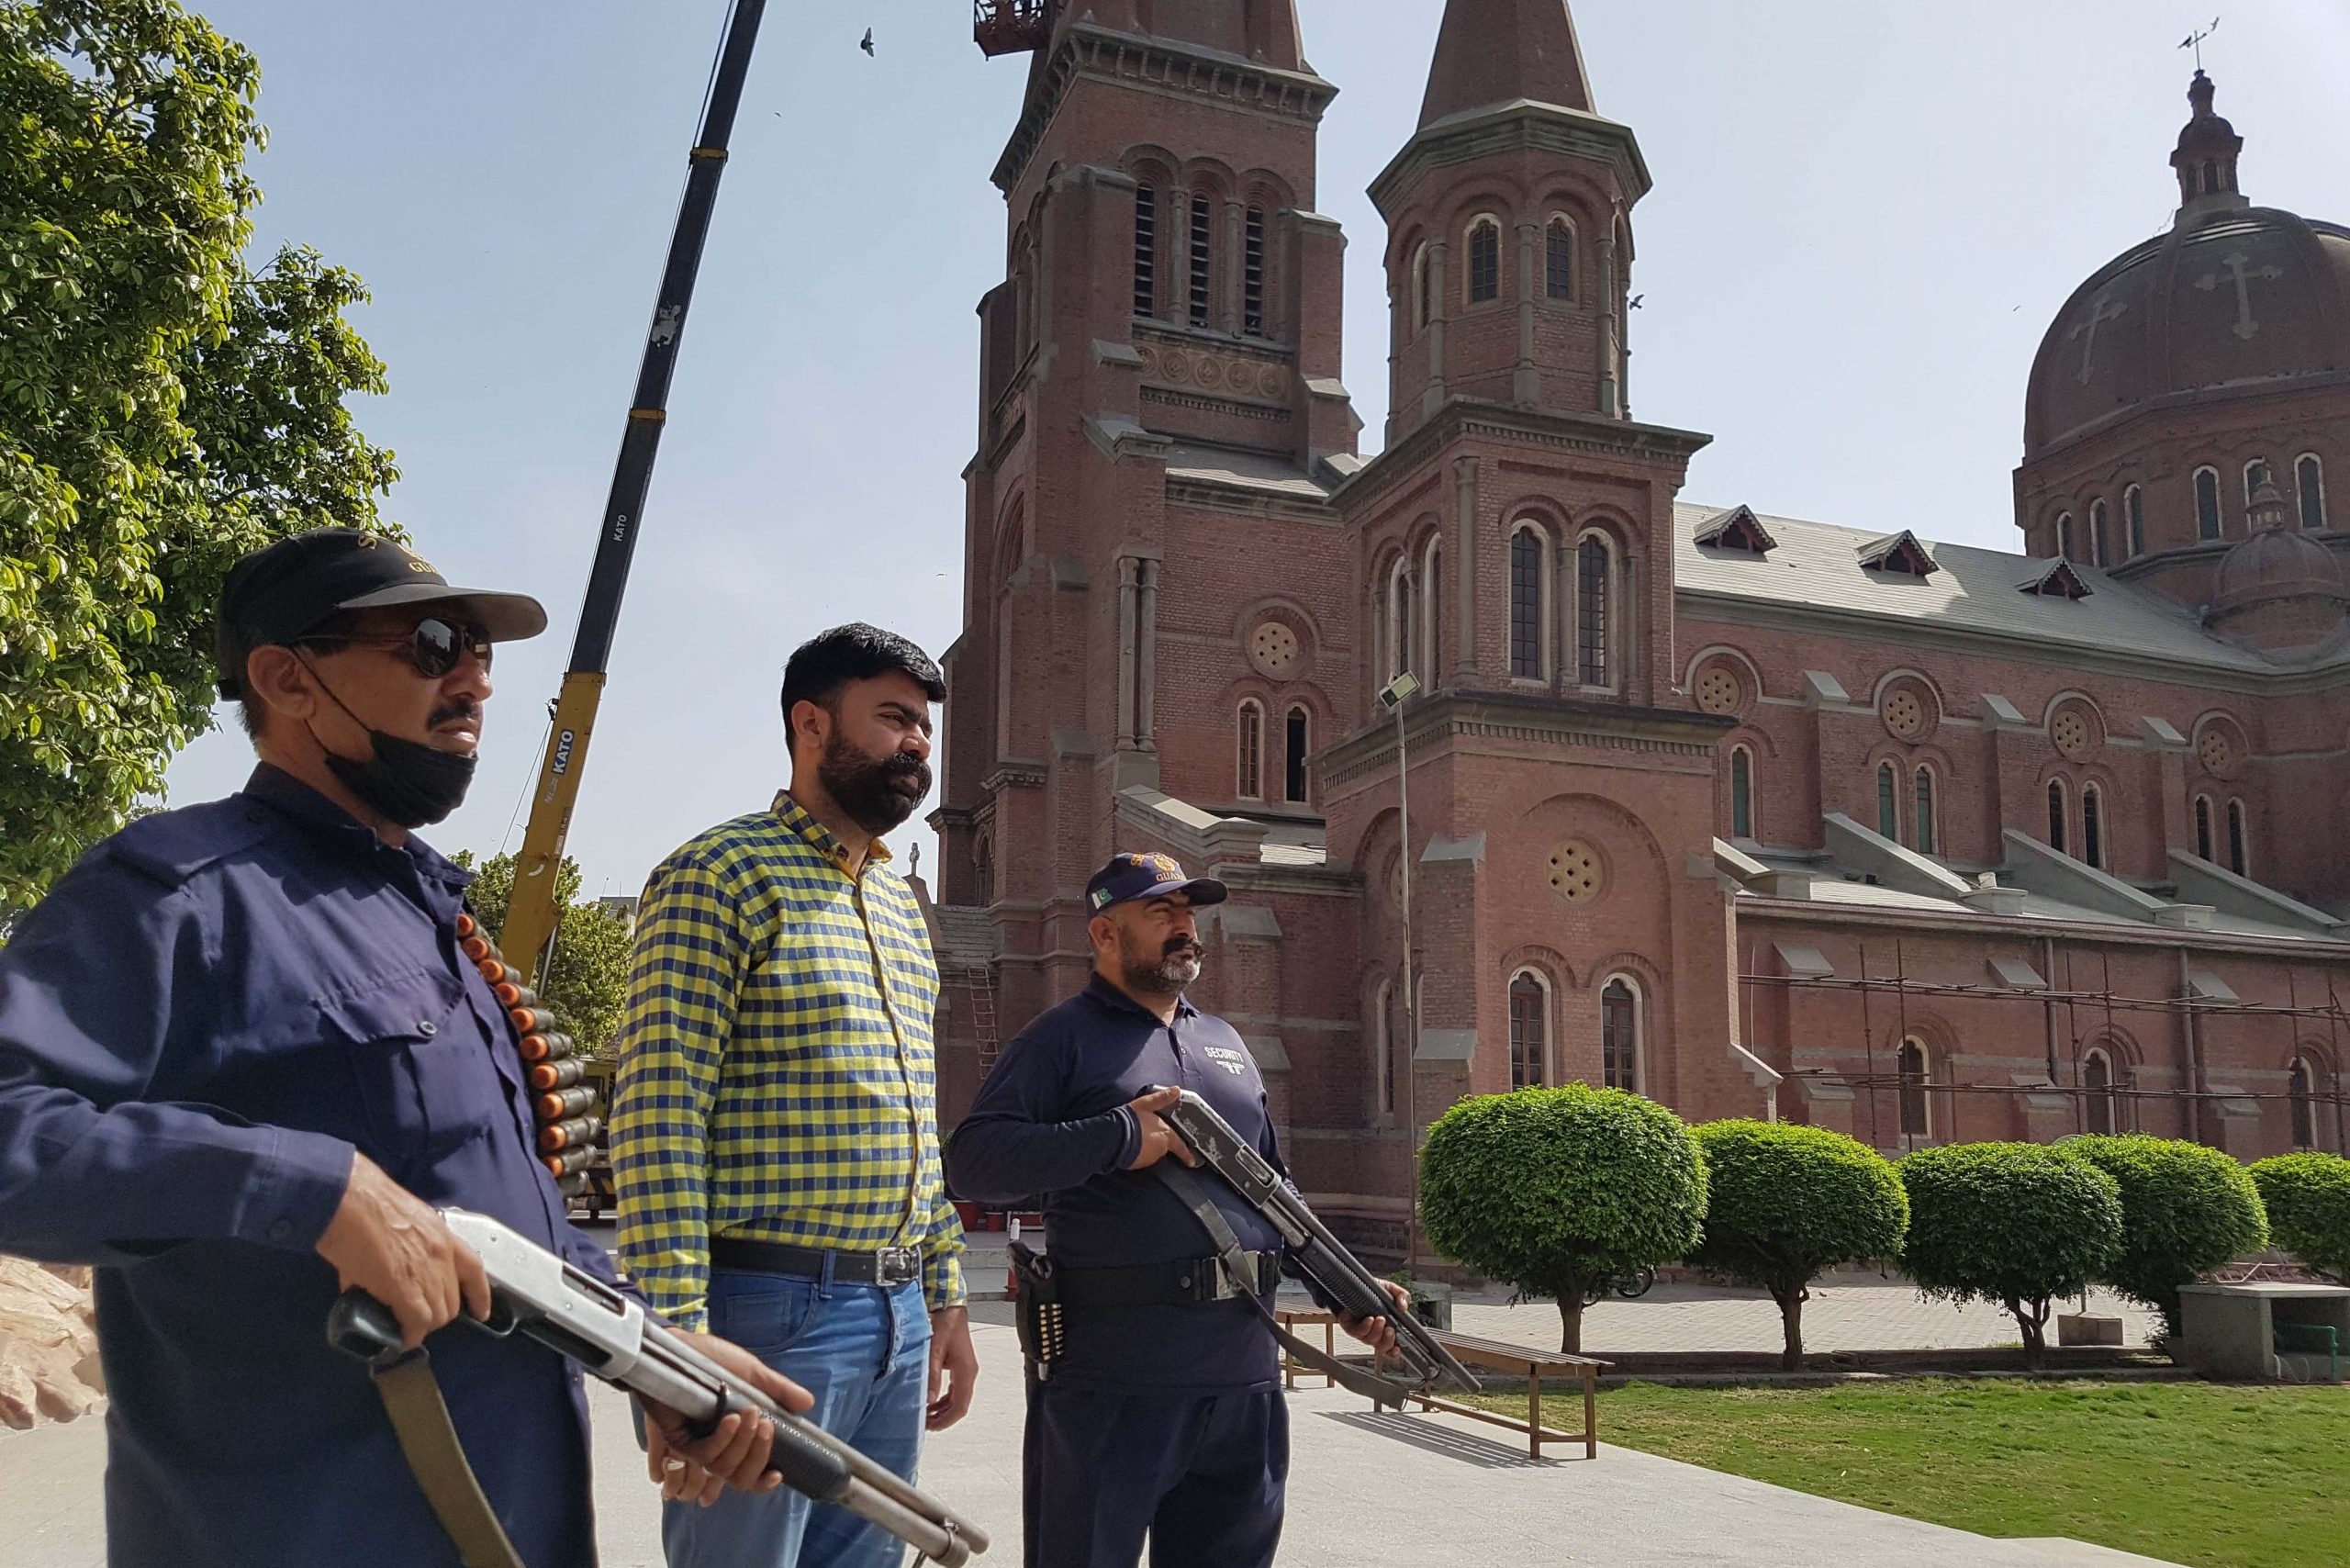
{"x": 774, "y": 1124}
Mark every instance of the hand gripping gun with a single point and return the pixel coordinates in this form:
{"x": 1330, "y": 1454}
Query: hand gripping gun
{"x": 1336, "y": 1274}
{"x": 537, "y": 1293}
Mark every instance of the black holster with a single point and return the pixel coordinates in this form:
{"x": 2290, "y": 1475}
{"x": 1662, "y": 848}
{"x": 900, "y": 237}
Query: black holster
{"x": 1037, "y": 1310}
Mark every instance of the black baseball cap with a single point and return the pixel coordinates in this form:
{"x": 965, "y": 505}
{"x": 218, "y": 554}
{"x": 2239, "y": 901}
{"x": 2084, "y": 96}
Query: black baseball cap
{"x": 1132, "y": 876}
{"x": 289, "y": 588}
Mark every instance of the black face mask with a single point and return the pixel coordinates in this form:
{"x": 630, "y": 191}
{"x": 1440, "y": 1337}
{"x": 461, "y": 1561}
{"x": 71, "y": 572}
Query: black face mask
{"x": 406, "y": 782}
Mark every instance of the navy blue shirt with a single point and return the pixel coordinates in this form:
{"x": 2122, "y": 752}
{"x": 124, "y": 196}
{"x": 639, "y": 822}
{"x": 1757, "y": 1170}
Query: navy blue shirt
{"x": 197, "y": 1027}
{"x": 1052, "y": 1119}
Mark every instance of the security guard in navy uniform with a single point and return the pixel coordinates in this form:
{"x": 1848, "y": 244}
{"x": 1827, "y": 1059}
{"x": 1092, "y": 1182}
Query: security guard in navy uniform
{"x": 243, "y": 1062}
{"x": 1153, "y": 1396}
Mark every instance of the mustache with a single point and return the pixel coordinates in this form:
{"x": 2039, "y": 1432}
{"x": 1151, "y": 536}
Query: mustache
{"x": 1177, "y": 944}
{"x": 906, "y": 765}
{"x": 460, "y": 707}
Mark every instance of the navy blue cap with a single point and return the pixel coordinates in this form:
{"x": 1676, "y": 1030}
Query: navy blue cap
{"x": 1131, "y": 876}
{"x": 278, "y": 593}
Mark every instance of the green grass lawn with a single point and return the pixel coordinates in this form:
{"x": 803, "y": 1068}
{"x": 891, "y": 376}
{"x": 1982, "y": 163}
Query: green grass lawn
{"x": 2218, "y": 1477}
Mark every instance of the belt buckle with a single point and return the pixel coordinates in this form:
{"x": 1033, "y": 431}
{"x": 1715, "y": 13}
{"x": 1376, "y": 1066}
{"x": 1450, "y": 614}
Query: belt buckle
{"x": 898, "y": 1265}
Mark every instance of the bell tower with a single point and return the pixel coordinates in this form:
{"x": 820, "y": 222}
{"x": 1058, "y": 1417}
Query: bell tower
{"x": 1515, "y": 543}
{"x": 1159, "y": 405}
{"x": 1508, "y": 215}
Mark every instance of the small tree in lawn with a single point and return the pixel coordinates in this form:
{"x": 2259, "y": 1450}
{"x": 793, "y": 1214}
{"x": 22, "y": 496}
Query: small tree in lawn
{"x": 1786, "y": 1203}
{"x": 2186, "y": 1209}
{"x": 2019, "y": 1224}
{"x": 1556, "y": 1189}
{"x": 2308, "y": 1198}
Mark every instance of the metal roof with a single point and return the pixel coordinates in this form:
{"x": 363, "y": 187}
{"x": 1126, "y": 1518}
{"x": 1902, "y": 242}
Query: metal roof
{"x": 1818, "y": 567}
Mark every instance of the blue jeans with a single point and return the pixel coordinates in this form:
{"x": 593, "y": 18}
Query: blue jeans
{"x": 864, "y": 1352}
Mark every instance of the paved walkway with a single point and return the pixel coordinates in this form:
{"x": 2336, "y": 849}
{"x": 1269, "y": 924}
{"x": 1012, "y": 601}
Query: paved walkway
{"x": 1847, "y": 1312}
{"x": 1366, "y": 1492}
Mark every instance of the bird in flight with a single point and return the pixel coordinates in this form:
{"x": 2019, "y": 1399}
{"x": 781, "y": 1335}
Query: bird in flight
{"x": 1635, "y": 303}
{"x": 868, "y": 45}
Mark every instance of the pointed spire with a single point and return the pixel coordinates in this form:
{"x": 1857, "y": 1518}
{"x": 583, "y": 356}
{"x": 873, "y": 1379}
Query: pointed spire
{"x": 2206, "y": 157}
{"x": 1496, "y": 51}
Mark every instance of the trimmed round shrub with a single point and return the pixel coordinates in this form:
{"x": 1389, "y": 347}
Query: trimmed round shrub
{"x": 2307, "y": 1197}
{"x": 2186, "y": 1209}
{"x": 1784, "y": 1203}
{"x": 1552, "y": 1190}
{"x": 2019, "y": 1224}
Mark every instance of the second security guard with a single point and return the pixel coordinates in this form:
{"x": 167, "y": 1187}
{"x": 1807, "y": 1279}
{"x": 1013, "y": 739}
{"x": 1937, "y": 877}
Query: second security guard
{"x": 1154, "y": 1401}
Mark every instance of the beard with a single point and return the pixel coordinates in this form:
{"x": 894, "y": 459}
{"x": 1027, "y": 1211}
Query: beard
{"x": 1161, "y": 970}
{"x": 878, "y": 792}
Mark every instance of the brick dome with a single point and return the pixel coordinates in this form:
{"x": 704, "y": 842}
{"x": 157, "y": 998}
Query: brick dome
{"x": 2276, "y": 563}
{"x": 2232, "y": 298}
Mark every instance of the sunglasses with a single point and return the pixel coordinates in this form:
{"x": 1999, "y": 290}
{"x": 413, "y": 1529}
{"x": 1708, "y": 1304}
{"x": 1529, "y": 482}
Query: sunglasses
{"x": 434, "y": 647}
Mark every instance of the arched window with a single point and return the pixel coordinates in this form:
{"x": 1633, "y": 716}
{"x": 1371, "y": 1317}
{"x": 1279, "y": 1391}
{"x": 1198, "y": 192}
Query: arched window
{"x": 1382, "y": 1046}
{"x": 1293, "y": 760}
{"x": 1741, "y": 793}
{"x": 1431, "y": 663}
{"x": 2300, "y": 1087}
{"x": 2239, "y": 856}
{"x": 1620, "y": 1035}
{"x": 2097, "y": 1091}
{"x": 1485, "y": 260}
{"x": 1916, "y": 1107}
{"x": 983, "y": 871}
{"x": 2092, "y": 825}
{"x": 2133, "y": 518}
{"x": 1146, "y": 250}
{"x": 1423, "y": 290}
{"x": 1594, "y": 567}
{"x": 1401, "y": 619}
{"x": 1924, "y": 843}
{"x": 2308, "y": 478}
{"x": 2056, "y": 815}
{"x": 1252, "y": 751}
{"x": 2065, "y": 534}
{"x": 1559, "y": 260}
{"x": 1529, "y": 1030}
{"x": 2098, "y": 543}
{"x": 2203, "y": 827}
{"x": 2207, "y": 503}
{"x": 1528, "y": 560}
{"x": 1203, "y": 239}
{"x": 1252, "y": 273}
{"x": 1888, "y": 809}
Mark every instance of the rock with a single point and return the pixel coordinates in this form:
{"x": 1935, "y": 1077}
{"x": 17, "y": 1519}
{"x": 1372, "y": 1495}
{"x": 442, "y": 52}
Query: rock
{"x": 49, "y": 1344}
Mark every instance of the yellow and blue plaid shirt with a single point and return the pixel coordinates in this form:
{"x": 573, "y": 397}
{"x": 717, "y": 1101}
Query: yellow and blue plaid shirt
{"x": 777, "y": 1081}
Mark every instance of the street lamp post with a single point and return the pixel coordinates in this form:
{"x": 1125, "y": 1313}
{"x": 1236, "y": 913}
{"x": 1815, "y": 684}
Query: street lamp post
{"x": 1393, "y": 697}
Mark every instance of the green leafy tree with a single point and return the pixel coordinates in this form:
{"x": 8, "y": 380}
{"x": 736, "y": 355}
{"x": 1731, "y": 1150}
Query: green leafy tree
{"x": 2308, "y": 1199}
{"x": 163, "y": 409}
{"x": 587, "y": 984}
{"x": 2019, "y": 1224}
{"x": 2186, "y": 1209}
{"x": 1786, "y": 1203}
{"x": 1557, "y": 1190}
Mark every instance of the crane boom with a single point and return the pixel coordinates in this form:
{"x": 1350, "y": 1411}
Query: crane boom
{"x": 532, "y": 914}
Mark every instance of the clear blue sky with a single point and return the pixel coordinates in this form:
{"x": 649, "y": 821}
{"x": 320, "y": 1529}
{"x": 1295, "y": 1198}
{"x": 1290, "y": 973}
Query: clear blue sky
{"x": 1864, "y": 217}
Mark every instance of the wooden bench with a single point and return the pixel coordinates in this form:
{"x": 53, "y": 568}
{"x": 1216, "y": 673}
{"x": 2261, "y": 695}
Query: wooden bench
{"x": 1492, "y": 1355}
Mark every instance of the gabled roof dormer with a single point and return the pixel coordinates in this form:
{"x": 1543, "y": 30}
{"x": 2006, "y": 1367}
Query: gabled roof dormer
{"x": 2059, "y": 581}
{"x": 1902, "y": 552}
{"x": 1738, "y": 528}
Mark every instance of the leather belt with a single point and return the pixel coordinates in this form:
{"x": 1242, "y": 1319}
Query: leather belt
{"x": 1187, "y": 1282}
{"x": 890, "y": 1266}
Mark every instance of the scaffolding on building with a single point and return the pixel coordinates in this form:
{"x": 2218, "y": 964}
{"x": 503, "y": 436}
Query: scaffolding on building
{"x": 2103, "y": 1004}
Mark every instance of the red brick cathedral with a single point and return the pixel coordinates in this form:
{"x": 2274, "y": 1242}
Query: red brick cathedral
{"x": 1754, "y": 815}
